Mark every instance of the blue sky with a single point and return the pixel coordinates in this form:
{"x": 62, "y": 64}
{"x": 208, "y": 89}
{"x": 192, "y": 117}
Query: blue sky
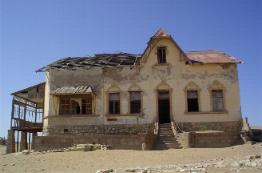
{"x": 35, "y": 33}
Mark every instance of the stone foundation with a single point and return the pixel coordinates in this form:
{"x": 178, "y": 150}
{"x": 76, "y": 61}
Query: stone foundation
{"x": 232, "y": 127}
{"x": 121, "y": 129}
{"x": 213, "y": 139}
{"x": 117, "y": 136}
{"x": 210, "y": 134}
{"x": 198, "y": 135}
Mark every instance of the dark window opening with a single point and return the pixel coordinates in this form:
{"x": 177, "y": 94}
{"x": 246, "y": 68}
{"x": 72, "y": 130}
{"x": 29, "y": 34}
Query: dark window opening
{"x": 135, "y": 102}
{"x": 192, "y": 101}
{"x": 75, "y": 107}
{"x": 114, "y": 103}
{"x": 218, "y": 100}
{"x": 161, "y": 55}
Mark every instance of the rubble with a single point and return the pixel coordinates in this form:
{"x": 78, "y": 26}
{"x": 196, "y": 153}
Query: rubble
{"x": 82, "y": 147}
{"x": 253, "y": 162}
{"x": 105, "y": 171}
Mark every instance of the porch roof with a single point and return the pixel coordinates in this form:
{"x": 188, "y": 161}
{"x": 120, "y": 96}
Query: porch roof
{"x": 68, "y": 90}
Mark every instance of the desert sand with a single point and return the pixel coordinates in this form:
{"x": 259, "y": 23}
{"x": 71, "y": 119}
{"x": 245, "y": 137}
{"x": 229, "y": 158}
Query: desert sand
{"x": 231, "y": 159}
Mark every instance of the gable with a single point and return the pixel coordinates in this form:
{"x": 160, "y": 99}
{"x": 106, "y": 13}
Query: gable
{"x": 163, "y": 39}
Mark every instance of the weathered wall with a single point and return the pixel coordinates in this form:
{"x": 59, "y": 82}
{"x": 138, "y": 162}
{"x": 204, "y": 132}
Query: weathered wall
{"x": 150, "y": 77}
{"x": 214, "y": 139}
{"x": 42, "y": 143}
{"x": 122, "y": 137}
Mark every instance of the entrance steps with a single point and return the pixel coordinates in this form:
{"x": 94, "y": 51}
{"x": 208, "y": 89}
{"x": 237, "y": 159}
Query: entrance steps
{"x": 166, "y": 138}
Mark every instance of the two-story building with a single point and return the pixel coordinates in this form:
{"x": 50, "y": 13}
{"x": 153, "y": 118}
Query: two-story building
{"x": 162, "y": 98}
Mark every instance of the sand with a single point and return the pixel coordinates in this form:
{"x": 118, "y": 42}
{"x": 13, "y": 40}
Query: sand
{"x": 91, "y": 161}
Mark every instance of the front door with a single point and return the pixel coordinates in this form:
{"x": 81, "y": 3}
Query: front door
{"x": 163, "y": 107}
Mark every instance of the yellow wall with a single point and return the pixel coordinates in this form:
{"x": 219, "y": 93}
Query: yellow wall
{"x": 149, "y": 77}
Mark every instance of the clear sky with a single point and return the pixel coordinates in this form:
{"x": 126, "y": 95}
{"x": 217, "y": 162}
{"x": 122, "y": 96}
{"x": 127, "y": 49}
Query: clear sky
{"x": 35, "y": 33}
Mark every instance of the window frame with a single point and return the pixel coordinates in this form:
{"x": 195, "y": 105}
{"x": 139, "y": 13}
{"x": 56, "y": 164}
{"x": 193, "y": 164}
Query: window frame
{"x": 212, "y": 100}
{"x": 198, "y": 104}
{"x": 113, "y": 113}
{"x": 161, "y": 58}
{"x": 130, "y": 104}
{"x": 71, "y": 98}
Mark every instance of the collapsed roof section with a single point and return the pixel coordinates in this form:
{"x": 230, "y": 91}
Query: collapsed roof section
{"x": 126, "y": 59}
{"x": 34, "y": 94}
{"x": 99, "y": 60}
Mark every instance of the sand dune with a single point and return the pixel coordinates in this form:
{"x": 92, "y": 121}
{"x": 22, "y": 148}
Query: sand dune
{"x": 79, "y": 161}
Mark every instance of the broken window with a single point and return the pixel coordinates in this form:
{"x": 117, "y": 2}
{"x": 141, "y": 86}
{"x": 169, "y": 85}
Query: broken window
{"x": 192, "y": 101}
{"x": 218, "y": 100}
{"x": 75, "y": 105}
{"x": 161, "y": 55}
{"x": 114, "y": 103}
{"x": 135, "y": 102}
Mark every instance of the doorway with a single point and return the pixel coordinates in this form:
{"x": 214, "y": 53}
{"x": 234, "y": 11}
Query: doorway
{"x": 163, "y": 107}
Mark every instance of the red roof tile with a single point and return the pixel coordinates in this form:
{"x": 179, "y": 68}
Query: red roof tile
{"x": 211, "y": 57}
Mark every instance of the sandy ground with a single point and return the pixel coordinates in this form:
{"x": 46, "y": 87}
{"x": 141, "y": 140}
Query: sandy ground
{"x": 121, "y": 160}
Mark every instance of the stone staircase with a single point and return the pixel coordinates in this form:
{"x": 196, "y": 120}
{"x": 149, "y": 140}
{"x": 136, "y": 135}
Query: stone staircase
{"x": 166, "y": 138}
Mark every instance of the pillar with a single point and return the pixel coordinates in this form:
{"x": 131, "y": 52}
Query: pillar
{"x": 23, "y": 144}
{"x": 10, "y": 142}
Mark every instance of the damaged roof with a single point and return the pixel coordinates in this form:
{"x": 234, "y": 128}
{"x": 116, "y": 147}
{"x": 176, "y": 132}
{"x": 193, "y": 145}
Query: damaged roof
{"x": 99, "y": 60}
{"x": 126, "y": 59}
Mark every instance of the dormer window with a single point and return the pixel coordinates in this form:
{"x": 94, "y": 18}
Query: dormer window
{"x": 161, "y": 55}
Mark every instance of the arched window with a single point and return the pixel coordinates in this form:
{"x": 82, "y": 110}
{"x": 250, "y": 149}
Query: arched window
{"x": 114, "y": 103}
{"x": 114, "y": 100}
{"x": 192, "y": 97}
{"x": 135, "y": 102}
{"x": 217, "y": 92}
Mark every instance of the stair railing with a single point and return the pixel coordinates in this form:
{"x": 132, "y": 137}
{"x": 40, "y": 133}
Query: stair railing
{"x": 156, "y": 127}
{"x": 175, "y": 128}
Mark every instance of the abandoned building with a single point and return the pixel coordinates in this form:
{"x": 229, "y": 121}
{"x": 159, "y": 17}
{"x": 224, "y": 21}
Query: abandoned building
{"x": 162, "y": 98}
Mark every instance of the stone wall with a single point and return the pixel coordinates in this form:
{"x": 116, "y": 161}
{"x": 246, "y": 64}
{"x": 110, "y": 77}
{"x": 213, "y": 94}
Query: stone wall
{"x": 42, "y": 143}
{"x": 122, "y": 129}
{"x": 214, "y": 139}
{"x": 232, "y": 127}
{"x": 117, "y": 136}
{"x": 209, "y": 134}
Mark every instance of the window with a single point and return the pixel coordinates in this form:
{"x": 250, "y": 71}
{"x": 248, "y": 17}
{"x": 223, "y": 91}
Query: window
{"x": 114, "y": 103}
{"x": 75, "y": 105}
{"x": 218, "y": 100}
{"x": 87, "y": 105}
{"x": 64, "y": 105}
{"x": 135, "y": 102}
{"x": 161, "y": 55}
{"x": 192, "y": 101}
